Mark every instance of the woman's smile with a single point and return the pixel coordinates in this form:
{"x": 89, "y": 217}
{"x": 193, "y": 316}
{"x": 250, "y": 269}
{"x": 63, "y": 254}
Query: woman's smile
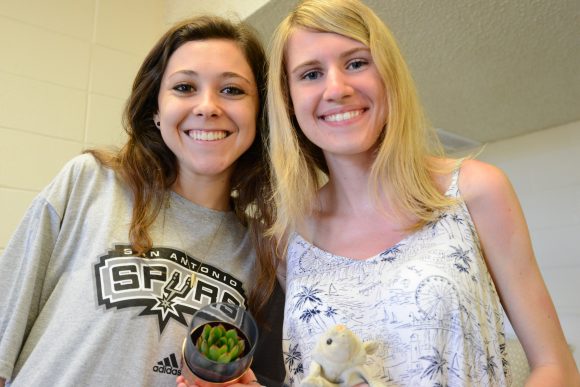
{"x": 207, "y": 135}
{"x": 340, "y": 117}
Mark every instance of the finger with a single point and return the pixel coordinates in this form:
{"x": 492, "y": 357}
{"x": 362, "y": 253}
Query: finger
{"x": 247, "y": 380}
{"x": 182, "y": 382}
{"x": 249, "y": 377}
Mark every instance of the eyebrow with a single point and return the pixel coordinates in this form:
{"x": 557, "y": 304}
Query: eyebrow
{"x": 224, "y": 75}
{"x": 315, "y": 62}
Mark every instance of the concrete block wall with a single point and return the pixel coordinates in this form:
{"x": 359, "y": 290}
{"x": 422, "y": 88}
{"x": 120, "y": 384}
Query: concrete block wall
{"x": 66, "y": 69}
{"x": 544, "y": 168}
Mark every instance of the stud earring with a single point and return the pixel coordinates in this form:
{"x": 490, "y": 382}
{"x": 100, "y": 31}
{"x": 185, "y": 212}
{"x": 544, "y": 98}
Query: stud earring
{"x": 158, "y": 123}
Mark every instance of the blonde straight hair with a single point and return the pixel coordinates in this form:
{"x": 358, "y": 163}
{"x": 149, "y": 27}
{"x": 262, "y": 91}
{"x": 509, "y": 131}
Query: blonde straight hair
{"x": 409, "y": 152}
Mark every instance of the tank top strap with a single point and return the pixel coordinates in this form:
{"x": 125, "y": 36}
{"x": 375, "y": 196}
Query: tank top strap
{"x": 453, "y": 189}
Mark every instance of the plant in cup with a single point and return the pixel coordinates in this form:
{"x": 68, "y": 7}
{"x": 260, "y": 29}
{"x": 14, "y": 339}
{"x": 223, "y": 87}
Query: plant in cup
{"x": 220, "y": 345}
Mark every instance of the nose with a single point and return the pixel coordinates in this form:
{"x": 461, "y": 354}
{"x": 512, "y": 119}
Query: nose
{"x": 207, "y": 105}
{"x": 337, "y": 86}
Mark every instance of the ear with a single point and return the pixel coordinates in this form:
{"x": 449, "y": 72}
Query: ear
{"x": 156, "y": 120}
{"x": 370, "y": 347}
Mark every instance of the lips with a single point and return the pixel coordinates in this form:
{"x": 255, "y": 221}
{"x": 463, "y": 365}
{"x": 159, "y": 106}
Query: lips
{"x": 342, "y": 116}
{"x": 207, "y": 135}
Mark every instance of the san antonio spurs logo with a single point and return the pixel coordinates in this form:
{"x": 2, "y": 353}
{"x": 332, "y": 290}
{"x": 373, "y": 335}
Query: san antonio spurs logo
{"x": 161, "y": 283}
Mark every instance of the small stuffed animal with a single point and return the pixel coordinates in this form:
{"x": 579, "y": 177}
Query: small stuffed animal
{"x": 338, "y": 360}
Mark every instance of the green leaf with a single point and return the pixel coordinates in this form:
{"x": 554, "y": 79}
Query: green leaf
{"x": 206, "y": 331}
{"x": 235, "y": 352}
{"x": 225, "y": 358}
{"x": 232, "y": 334}
{"x": 215, "y": 352}
{"x": 231, "y": 343}
{"x": 214, "y": 335}
{"x": 204, "y": 348}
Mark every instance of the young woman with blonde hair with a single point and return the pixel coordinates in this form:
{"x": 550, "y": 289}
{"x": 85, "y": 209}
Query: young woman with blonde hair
{"x": 384, "y": 234}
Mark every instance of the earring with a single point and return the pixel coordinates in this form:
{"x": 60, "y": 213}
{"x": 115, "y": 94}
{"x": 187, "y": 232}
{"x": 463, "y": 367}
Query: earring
{"x": 158, "y": 124}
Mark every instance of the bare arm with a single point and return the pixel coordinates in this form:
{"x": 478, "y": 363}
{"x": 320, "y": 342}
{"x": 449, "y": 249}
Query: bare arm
{"x": 2, "y": 381}
{"x": 507, "y": 247}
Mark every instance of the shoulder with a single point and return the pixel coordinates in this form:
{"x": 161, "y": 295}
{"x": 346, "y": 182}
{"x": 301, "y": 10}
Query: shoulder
{"x": 84, "y": 169}
{"x": 74, "y": 168}
{"x": 78, "y": 164}
{"x": 480, "y": 182}
{"x": 81, "y": 173}
{"x": 87, "y": 166}
{"x": 490, "y": 199}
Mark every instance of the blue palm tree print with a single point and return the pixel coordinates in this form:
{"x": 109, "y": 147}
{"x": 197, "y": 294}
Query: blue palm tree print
{"x": 490, "y": 368}
{"x": 293, "y": 358}
{"x": 436, "y": 364}
{"x": 308, "y": 294}
{"x": 462, "y": 259}
{"x": 391, "y": 254}
{"x": 330, "y": 312}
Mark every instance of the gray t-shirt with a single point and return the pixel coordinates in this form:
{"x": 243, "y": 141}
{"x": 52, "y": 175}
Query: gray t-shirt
{"x": 78, "y": 307}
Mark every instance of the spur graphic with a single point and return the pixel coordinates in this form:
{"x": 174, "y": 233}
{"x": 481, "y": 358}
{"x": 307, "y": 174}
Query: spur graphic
{"x": 165, "y": 282}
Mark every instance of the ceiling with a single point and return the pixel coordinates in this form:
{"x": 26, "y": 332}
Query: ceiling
{"x": 486, "y": 70}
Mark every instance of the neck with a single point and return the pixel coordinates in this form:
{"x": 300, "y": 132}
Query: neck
{"x": 347, "y": 190}
{"x": 210, "y": 192}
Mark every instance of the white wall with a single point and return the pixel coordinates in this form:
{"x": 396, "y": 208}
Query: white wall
{"x": 177, "y": 9}
{"x": 66, "y": 69}
{"x": 544, "y": 168}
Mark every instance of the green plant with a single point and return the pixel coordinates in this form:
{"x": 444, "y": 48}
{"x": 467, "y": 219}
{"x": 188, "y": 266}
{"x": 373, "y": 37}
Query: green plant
{"x": 220, "y": 345}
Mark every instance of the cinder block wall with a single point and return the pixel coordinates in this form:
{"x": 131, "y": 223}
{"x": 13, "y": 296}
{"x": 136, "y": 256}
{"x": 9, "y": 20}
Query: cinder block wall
{"x": 66, "y": 68}
{"x": 544, "y": 168}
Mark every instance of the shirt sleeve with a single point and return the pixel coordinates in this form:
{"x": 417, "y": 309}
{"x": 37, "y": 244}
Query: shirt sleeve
{"x": 24, "y": 262}
{"x": 22, "y": 268}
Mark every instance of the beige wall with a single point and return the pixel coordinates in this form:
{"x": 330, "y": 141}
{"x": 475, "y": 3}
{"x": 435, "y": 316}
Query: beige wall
{"x": 66, "y": 68}
{"x": 236, "y": 9}
{"x": 544, "y": 168}
{"x": 65, "y": 71}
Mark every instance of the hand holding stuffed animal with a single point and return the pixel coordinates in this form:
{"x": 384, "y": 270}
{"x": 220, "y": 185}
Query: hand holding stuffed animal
{"x": 338, "y": 360}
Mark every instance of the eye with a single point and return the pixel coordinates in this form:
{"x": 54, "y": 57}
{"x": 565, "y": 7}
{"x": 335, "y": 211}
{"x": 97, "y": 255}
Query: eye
{"x": 356, "y": 64}
{"x": 311, "y": 75}
{"x": 184, "y": 88}
{"x": 233, "y": 90}
{"x": 329, "y": 341}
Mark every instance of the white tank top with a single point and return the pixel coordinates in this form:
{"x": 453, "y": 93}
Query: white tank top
{"x": 429, "y": 301}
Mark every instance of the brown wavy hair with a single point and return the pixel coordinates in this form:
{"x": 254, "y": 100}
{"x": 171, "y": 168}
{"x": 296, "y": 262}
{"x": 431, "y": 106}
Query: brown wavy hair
{"x": 150, "y": 168}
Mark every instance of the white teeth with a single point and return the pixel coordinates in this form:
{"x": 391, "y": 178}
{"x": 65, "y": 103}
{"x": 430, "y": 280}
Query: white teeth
{"x": 205, "y": 135}
{"x": 342, "y": 116}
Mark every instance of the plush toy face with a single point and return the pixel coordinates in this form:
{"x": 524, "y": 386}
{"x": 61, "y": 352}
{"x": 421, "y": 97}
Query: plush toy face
{"x": 338, "y": 344}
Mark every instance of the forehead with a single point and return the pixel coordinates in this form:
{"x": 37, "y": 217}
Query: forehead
{"x": 210, "y": 57}
{"x": 304, "y": 44}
